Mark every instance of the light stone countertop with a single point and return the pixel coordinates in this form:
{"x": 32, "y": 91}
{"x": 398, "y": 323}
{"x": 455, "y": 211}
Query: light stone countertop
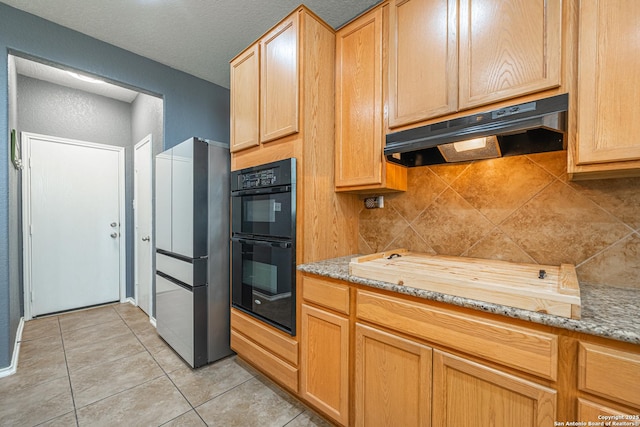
{"x": 606, "y": 311}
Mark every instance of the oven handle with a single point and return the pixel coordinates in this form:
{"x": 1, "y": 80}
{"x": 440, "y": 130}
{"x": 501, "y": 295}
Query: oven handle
{"x": 283, "y": 245}
{"x": 267, "y": 190}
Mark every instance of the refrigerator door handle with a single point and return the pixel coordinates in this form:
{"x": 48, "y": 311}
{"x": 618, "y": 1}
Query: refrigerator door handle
{"x": 174, "y": 280}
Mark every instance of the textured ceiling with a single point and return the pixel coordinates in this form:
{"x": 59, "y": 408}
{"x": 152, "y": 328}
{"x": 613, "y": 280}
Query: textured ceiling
{"x": 61, "y": 77}
{"x": 199, "y": 37}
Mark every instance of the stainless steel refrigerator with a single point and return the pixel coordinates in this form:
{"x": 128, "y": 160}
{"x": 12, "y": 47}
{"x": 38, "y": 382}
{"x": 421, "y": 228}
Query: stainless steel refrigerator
{"x": 192, "y": 249}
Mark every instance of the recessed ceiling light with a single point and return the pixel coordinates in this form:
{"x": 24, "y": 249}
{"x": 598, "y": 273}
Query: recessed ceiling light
{"x": 84, "y": 78}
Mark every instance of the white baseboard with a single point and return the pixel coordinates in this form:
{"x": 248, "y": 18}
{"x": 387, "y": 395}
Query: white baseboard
{"x": 13, "y": 367}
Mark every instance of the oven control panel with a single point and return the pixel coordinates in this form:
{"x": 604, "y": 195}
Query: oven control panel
{"x": 263, "y": 178}
{"x": 278, "y": 173}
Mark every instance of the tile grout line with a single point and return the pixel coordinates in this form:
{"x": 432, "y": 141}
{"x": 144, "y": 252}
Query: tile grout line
{"x": 164, "y": 372}
{"x": 66, "y": 363}
{"x": 194, "y": 408}
{"x": 106, "y": 397}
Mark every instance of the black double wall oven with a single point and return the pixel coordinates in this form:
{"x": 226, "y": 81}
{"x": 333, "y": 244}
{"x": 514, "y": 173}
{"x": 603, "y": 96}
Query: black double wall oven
{"x": 263, "y": 243}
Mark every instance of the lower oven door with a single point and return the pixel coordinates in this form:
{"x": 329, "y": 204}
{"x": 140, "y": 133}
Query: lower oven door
{"x": 263, "y": 280}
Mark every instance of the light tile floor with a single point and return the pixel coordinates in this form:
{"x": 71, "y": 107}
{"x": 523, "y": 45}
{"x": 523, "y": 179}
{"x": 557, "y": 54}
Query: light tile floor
{"x": 107, "y": 366}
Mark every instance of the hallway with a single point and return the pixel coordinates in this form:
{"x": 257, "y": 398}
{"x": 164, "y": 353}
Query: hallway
{"x": 107, "y": 366}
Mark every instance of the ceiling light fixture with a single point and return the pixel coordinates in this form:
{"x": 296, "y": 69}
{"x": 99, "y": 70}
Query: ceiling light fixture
{"x": 84, "y": 78}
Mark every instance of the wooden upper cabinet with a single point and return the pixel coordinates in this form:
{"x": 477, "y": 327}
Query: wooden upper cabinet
{"x": 265, "y": 88}
{"x": 423, "y": 68}
{"x": 359, "y": 102}
{"x": 360, "y": 164}
{"x": 245, "y": 100}
{"x": 279, "y": 81}
{"x": 608, "y": 87}
{"x": 508, "y": 49}
{"x": 447, "y": 55}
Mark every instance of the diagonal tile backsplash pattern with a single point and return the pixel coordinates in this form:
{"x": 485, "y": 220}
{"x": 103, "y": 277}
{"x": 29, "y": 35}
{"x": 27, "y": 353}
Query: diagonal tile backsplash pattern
{"x": 520, "y": 209}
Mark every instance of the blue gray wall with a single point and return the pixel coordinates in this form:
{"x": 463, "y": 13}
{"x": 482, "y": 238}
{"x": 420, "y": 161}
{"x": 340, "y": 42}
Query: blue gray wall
{"x": 192, "y": 106}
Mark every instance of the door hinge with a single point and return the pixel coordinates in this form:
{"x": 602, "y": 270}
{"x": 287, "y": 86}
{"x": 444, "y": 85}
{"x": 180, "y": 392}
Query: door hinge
{"x": 31, "y": 295}
{"x": 31, "y": 229}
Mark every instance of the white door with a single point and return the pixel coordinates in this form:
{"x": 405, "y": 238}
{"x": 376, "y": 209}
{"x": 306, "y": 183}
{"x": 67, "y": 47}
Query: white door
{"x": 143, "y": 226}
{"x": 73, "y": 223}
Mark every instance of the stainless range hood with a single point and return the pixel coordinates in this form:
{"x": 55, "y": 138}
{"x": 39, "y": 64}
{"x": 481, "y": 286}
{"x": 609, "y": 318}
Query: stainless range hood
{"x": 532, "y": 127}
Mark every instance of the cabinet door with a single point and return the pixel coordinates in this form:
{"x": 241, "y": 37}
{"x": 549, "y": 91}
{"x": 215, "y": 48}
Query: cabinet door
{"x": 279, "y": 81}
{"x": 470, "y": 394}
{"x": 245, "y": 100}
{"x": 508, "y": 48}
{"x": 589, "y": 411}
{"x": 423, "y": 69}
{"x": 608, "y": 84}
{"x": 392, "y": 380}
{"x": 610, "y": 373}
{"x": 324, "y": 367}
{"x": 359, "y": 102}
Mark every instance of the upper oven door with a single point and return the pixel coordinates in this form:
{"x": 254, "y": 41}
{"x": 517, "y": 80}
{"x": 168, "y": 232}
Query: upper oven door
{"x": 259, "y": 214}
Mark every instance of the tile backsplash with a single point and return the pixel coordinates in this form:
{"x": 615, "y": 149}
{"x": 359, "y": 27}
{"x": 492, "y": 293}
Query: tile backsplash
{"x": 521, "y": 209}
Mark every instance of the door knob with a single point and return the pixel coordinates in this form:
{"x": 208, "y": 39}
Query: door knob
{"x": 114, "y": 235}
{"x": 114, "y": 224}
{"x": 146, "y": 239}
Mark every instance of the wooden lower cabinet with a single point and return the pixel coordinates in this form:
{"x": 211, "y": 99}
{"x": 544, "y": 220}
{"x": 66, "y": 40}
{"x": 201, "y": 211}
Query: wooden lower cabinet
{"x": 324, "y": 373}
{"x": 392, "y": 380}
{"x": 371, "y": 358}
{"x": 594, "y": 412}
{"x": 466, "y": 393}
{"x": 609, "y": 373}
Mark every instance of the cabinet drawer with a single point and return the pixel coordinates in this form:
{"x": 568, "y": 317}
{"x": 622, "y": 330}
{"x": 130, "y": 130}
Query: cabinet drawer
{"x": 520, "y": 348}
{"x": 325, "y": 293}
{"x": 280, "y": 371}
{"x": 609, "y": 373}
{"x": 277, "y": 343}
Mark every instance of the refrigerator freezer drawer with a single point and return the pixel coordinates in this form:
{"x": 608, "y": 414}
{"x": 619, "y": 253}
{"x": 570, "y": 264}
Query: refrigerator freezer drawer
{"x": 181, "y": 319}
{"x": 190, "y": 273}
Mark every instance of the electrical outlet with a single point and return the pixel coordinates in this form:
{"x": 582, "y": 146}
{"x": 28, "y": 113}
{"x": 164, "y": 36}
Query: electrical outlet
{"x": 374, "y": 202}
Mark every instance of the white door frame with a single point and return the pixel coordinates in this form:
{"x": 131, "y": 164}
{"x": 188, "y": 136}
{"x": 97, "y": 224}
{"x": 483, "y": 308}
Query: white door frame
{"x": 137, "y": 238}
{"x": 26, "y": 138}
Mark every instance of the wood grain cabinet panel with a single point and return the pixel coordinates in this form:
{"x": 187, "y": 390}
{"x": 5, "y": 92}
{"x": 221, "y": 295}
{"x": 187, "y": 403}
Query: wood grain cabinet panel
{"x": 360, "y": 163}
{"x": 510, "y": 345}
{"x": 266, "y": 361}
{"x": 279, "y": 81}
{"x": 589, "y": 411}
{"x": 423, "y": 62}
{"x": 326, "y": 293}
{"x": 508, "y": 49}
{"x": 278, "y": 343}
{"x": 392, "y": 380}
{"x": 607, "y": 141}
{"x": 466, "y": 393}
{"x": 609, "y": 373}
{"x": 447, "y": 56}
{"x": 245, "y": 70}
{"x": 324, "y": 371}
